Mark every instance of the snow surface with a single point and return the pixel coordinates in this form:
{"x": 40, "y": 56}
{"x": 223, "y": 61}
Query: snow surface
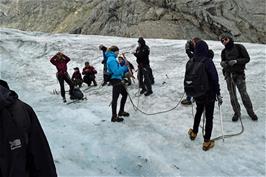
{"x": 85, "y": 143}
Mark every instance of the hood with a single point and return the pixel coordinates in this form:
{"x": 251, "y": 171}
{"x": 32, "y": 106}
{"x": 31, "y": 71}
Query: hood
{"x": 7, "y": 97}
{"x": 201, "y": 49}
{"x": 141, "y": 41}
{"x": 110, "y": 54}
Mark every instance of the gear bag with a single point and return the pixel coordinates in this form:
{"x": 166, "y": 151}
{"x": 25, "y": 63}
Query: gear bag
{"x": 77, "y": 94}
{"x": 196, "y": 81}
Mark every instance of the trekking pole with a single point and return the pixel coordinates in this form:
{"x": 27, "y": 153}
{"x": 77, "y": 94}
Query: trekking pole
{"x": 192, "y": 107}
{"x": 221, "y": 119}
{"x": 203, "y": 122}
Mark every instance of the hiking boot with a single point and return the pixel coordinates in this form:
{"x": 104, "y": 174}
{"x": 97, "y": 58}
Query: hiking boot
{"x": 64, "y": 100}
{"x": 254, "y": 117}
{"x": 116, "y": 119}
{"x": 148, "y": 93}
{"x": 104, "y": 83}
{"x": 207, "y": 145}
{"x": 191, "y": 134}
{"x": 142, "y": 91}
{"x": 235, "y": 118}
{"x": 186, "y": 102}
{"x": 125, "y": 114}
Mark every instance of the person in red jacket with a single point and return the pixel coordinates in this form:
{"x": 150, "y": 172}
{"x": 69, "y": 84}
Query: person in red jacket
{"x": 76, "y": 77}
{"x": 89, "y": 74}
{"x": 60, "y": 61}
{"x": 24, "y": 149}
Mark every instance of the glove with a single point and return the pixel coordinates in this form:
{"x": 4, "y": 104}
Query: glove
{"x": 223, "y": 64}
{"x": 188, "y": 45}
{"x": 232, "y": 62}
{"x": 220, "y": 100}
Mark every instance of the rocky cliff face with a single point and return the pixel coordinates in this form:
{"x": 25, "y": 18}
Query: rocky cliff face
{"x": 181, "y": 19}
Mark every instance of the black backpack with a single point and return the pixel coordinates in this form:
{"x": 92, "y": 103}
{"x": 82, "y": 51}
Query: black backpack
{"x": 77, "y": 94}
{"x": 196, "y": 81}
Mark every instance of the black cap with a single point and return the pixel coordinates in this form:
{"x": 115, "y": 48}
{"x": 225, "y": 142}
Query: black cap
{"x": 76, "y": 68}
{"x": 4, "y": 84}
{"x": 141, "y": 41}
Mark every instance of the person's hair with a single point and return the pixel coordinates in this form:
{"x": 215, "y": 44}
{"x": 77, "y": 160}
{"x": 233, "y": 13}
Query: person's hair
{"x": 4, "y": 84}
{"x": 113, "y": 48}
{"x": 196, "y": 39}
{"x": 87, "y": 63}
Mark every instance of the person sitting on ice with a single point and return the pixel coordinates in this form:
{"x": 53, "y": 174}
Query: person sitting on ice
{"x": 89, "y": 74}
{"x": 76, "y": 77}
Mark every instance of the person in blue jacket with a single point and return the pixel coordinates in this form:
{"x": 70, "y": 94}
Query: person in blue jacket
{"x": 116, "y": 71}
{"x": 106, "y": 75}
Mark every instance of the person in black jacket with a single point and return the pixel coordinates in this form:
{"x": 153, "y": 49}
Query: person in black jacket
{"x": 24, "y": 150}
{"x": 189, "y": 47}
{"x": 144, "y": 69}
{"x": 206, "y": 102}
{"x": 234, "y": 59}
{"x": 106, "y": 75}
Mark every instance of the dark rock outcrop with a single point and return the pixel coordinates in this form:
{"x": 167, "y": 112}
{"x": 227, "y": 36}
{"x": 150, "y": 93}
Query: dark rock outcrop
{"x": 180, "y": 19}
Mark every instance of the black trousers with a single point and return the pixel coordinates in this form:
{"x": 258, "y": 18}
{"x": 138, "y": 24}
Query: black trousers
{"x": 209, "y": 109}
{"x": 118, "y": 88}
{"x": 61, "y": 79}
{"x": 89, "y": 78}
{"x": 145, "y": 79}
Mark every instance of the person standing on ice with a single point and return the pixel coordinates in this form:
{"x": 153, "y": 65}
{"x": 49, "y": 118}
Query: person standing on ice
{"x": 117, "y": 72}
{"x": 106, "y": 75}
{"x": 60, "y": 61}
{"x": 145, "y": 75}
{"x": 24, "y": 149}
{"x": 207, "y": 100}
{"x": 234, "y": 60}
{"x": 189, "y": 47}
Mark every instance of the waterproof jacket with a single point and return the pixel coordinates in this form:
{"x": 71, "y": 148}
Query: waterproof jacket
{"x": 76, "y": 76}
{"x": 104, "y": 61}
{"x": 114, "y": 68}
{"x": 61, "y": 64}
{"x": 24, "y": 150}
{"x": 235, "y": 52}
{"x": 142, "y": 55}
{"x": 89, "y": 70}
{"x": 202, "y": 53}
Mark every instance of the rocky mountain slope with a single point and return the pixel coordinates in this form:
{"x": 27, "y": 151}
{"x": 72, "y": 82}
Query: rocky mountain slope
{"x": 181, "y": 19}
